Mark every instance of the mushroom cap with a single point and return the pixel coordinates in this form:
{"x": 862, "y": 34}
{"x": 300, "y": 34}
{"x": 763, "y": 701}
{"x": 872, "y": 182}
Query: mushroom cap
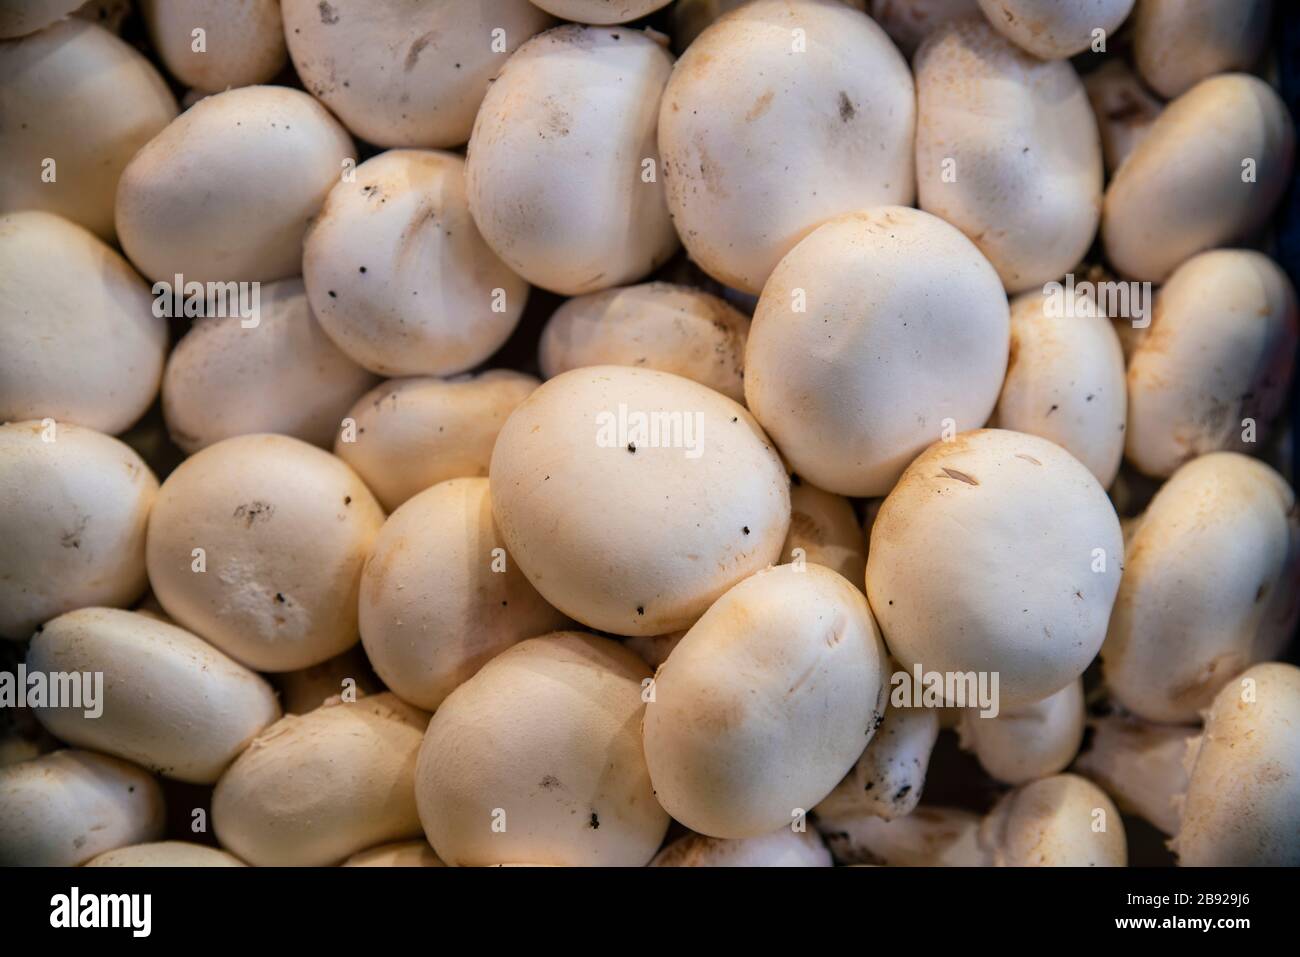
{"x": 1032, "y": 741}
{"x": 558, "y": 165}
{"x": 226, "y": 191}
{"x": 601, "y": 11}
{"x": 874, "y": 332}
{"x": 165, "y": 854}
{"x": 1209, "y": 586}
{"x": 243, "y": 43}
{"x": 655, "y": 325}
{"x": 66, "y": 807}
{"x": 766, "y": 703}
{"x": 824, "y": 526}
{"x": 999, "y": 553}
{"x": 1061, "y": 821}
{"x": 1242, "y": 807}
{"x": 1178, "y": 43}
{"x": 398, "y": 274}
{"x": 413, "y": 433}
{"x": 1065, "y": 380}
{"x": 1199, "y": 147}
{"x": 1125, "y": 109}
{"x": 910, "y": 22}
{"x": 537, "y": 759}
{"x": 174, "y": 704}
{"x": 285, "y": 803}
{"x": 78, "y": 95}
{"x": 78, "y": 338}
{"x": 1052, "y": 30}
{"x": 928, "y": 837}
{"x": 1220, "y": 352}
{"x": 1032, "y": 210}
{"x": 282, "y": 375}
{"x": 285, "y": 529}
{"x": 399, "y": 854}
{"x": 633, "y": 498}
{"x": 73, "y": 512}
{"x": 782, "y": 848}
{"x": 440, "y": 596}
{"x": 742, "y": 190}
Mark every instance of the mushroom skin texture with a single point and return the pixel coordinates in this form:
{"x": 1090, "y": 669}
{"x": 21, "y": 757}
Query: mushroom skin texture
{"x": 782, "y": 848}
{"x": 174, "y": 704}
{"x": 283, "y": 375}
{"x": 440, "y": 597}
{"x": 1028, "y": 742}
{"x": 909, "y": 22}
{"x": 66, "y": 807}
{"x": 1209, "y": 587}
{"x": 742, "y": 190}
{"x": 22, "y": 17}
{"x": 78, "y": 338}
{"x": 243, "y": 42}
{"x": 1242, "y": 807}
{"x": 824, "y": 530}
{"x": 1056, "y": 29}
{"x": 1124, "y": 108}
{"x": 78, "y": 95}
{"x": 73, "y": 512}
{"x": 766, "y": 703}
{"x": 655, "y": 325}
{"x": 1230, "y": 142}
{"x": 600, "y": 11}
{"x": 1065, "y": 380}
{"x": 284, "y": 530}
{"x": 667, "y": 494}
{"x": 398, "y": 274}
{"x": 285, "y": 803}
{"x": 997, "y": 552}
{"x": 875, "y": 332}
{"x": 537, "y": 759}
{"x": 1032, "y": 210}
{"x": 1141, "y": 764}
{"x": 928, "y": 837}
{"x": 1178, "y": 43}
{"x": 402, "y": 73}
{"x": 1060, "y": 821}
{"x": 226, "y": 191}
{"x": 562, "y": 170}
{"x": 413, "y": 433}
{"x": 165, "y": 854}
{"x": 1220, "y": 353}
{"x": 308, "y": 688}
{"x": 399, "y": 854}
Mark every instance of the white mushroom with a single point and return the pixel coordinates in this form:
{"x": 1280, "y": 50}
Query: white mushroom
{"x": 928, "y": 837}
{"x": 1124, "y": 108}
{"x": 1141, "y": 764}
{"x": 742, "y": 189}
{"x": 562, "y": 171}
{"x": 1028, "y": 742}
{"x": 240, "y": 44}
{"x": 1229, "y": 142}
{"x": 165, "y": 854}
{"x": 601, "y": 11}
{"x": 1061, "y": 821}
{"x": 398, "y": 274}
{"x": 824, "y": 530}
{"x": 876, "y": 333}
{"x": 996, "y": 554}
{"x": 909, "y": 22}
{"x": 78, "y": 338}
{"x": 1177, "y": 43}
{"x": 306, "y": 689}
{"x": 782, "y": 848}
{"x": 399, "y": 854}
{"x": 77, "y": 103}
{"x": 537, "y": 760}
{"x": 73, "y": 509}
{"x": 1057, "y": 29}
{"x": 1209, "y": 586}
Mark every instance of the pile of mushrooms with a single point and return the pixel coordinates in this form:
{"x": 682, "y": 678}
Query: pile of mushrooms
{"x": 685, "y": 434}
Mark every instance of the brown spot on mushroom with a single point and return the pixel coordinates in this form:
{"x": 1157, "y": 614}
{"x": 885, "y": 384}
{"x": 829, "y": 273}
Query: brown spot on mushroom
{"x": 417, "y": 47}
{"x": 328, "y": 15}
{"x": 1028, "y": 458}
{"x": 251, "y": 512}
{"x": 847, "y": 112}
{"x": 760, "y": 107}
{"x": 960, "y": 476}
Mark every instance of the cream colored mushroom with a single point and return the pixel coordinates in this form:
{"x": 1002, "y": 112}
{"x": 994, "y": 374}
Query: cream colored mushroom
{"x": 73, "y": 509}
{"x": 398, "y": 274}
{"x": 306, "y": 689}
{"x": 766, "y": 703}
{"x": 277, "y": 372}
{"x": 78, "y": 103}
{"x": 876, "y": 333}
{"x": 824, "y": 530}
{"x": 400, "y": 854}
{"x": 997, "y": 553}
{"x": 601, "y": 11}
{"x": 655, "y": 325}
{"x": 928, "y": 837}
{"x": 537, "y": 759}
{"x": 1057, "y": 29}
{"x": 1066, "y": 381}
{"x": 226, "y": 191}
{"x": 78, "y": 338}
{"x": 66, "y": 807}
{"x": 257, "y": 544}
{"x": 1061, "y": 821}
{"x": 782, "y": 848}
{"x": 406, "y": 435}
{"x": 1028, "y": 742}
{"x": 667, "y": 492}
{"x": 1178, "y": 43}
{"x": 172, "y": 703}
{"x": 1141, "y": 764}
{"x": 909, "y": 22}
{"x": 562, "y": 171}
{"x": 742, "y": 189}
{"x": 165, "y": 854}
{"x": 1229, "y": 142}
{"x": 440, "y": 596}
{"x": 1214, "y": 370}
{"x": 316, "y": 789}
{"x": 238, "y": 44}
{"x": 1209, "y": 586}
{"x": 1124, "y": 108}
{"x": 1007, "y": 150}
